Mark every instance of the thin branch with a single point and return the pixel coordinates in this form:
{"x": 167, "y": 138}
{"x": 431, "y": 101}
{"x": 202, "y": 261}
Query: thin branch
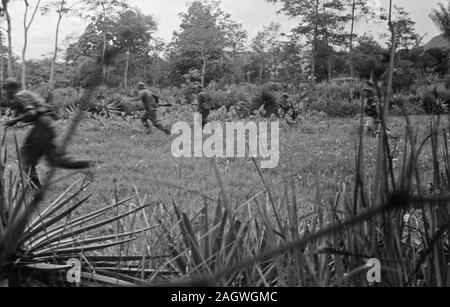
{"x": 34, "y": 13}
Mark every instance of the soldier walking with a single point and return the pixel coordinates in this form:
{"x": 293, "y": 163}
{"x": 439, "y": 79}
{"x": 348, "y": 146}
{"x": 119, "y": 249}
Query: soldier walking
{"x": 372, "y": 109}
{"x": 30, "y": 109}
{"x": 287, "y": 109}
{"x": 203, "y": 107}
{"x": 151, "y": 104}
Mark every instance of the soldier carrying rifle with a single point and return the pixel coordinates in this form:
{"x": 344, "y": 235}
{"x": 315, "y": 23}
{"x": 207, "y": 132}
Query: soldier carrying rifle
{"x": 151, "y": 104}
{"x": 30, "y": 109}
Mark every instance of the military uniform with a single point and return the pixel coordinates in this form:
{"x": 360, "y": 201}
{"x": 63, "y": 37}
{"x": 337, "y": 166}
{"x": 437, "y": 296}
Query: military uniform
{"x": 151, "y": 106}
{"x": 287, "y": 110}
{"x": 286, "y": 104}
{"x": 372, "y": 110}
{"x": 41, "y": 141}
{"x": 204, "y": 108}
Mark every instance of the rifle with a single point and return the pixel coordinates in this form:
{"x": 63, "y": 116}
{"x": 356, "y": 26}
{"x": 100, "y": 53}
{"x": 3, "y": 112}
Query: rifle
{"x": 165, "y": 105}
{"x": 158, "y": 98}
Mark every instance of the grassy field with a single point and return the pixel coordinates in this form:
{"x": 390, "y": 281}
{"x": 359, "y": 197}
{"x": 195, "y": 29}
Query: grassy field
{"x": 312, "y": 152}
{"x": 193, "y": 233}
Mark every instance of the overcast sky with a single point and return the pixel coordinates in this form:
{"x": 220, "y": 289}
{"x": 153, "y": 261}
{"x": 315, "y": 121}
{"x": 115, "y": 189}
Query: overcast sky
{"x": 253, "y": 14}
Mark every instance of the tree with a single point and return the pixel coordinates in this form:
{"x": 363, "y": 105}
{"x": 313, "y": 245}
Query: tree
{"x": 404, "y": 28}
{"x": 320, "y": 21}
{"x": 441, "y": 18}
{"x": 436, "y": 60}
{"x": 133, "y": 34}
{"x": 358, "y": 9}
{"x": 5, "y": 12}
{"x": 292, "y": 60}
{"x": 99, "y": 11}
{"x": 159, "y": 67}
{"x": 2, "y": 51}
{"x": 369, "y": 58}
{"x": 129, "y": 38}
{"x": 260, "y": 53}
{"x": 235, "y": 39}
{"x": 267, "y": 48}
{"x": 90, "y": 43}
{"x": 26, "y": 27}
{"x": 62, "y": 8}
{"x": 201, "y": 38}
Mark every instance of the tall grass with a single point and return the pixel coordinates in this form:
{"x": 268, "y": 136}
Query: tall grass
{"x": 272, "y": 239}
{"x": 276, "y": 240}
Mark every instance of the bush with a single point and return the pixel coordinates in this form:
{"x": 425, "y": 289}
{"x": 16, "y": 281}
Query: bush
{"x": 313, "y": 115}
{"x": 406, "y": 105}
{"x": 265, "y": 97}
{"x": 436, "y": 102}
{"x": 338, "y": 91}
{"x": 337, "y": 109}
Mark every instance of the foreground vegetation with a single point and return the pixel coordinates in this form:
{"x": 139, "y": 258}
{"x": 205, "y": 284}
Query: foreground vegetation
{"x": 309, "y": 222}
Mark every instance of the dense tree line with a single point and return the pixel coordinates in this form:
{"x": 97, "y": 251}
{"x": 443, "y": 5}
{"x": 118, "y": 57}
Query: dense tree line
{"x": 210, "y": 46}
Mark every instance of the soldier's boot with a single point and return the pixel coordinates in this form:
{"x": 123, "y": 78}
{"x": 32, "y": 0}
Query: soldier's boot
{"x": 204, "y": 122}
{"x": 148, "y": 129}
{"x": 30, "y": 154}
{"x": 62, "y": 161}
{"x": 161, "y": 127}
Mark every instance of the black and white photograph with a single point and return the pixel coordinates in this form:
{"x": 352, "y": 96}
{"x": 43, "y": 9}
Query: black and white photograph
{"x": 224, "y": 151}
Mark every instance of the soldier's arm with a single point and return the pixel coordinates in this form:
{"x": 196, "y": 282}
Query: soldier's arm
{"x": 135, "y": 99}
{"x": 27, "y": 116}
{"x": 138, "y": 98}
{"x": 27, "y": 111}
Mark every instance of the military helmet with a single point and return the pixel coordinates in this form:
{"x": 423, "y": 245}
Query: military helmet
{"x": 11, "y": 83}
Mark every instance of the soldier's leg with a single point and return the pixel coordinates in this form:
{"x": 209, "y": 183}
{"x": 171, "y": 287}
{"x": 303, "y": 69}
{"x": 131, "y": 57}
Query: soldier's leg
{"x": 31, "y": 152}
{"x": 144, "y": 121}
{"x": 205, "y": 115}
{"x": 156, "y": 123}
{"x": 57, "y": 157}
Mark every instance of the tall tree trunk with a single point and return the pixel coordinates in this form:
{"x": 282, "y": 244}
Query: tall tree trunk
{"x": 1, "y": 63}
{"x": 329, "y": 48}
{"x": 352, "y": 32}
{"x": 314, "y": 44}
{"x": 26, "y": 27}
{"x": 9, "y": 34}
{"x": 104, "y": 44}
{"x": 203, "y": 68}
{"x": 330, "y": 66}
{"x": 55, "y": 54}
{"x": 275, "y": 63}
{"x": 144, "y": 70}
{"x": 236, "y": 77}
{"x": 381, "y": 167}
{"x": 24, "y": 50}
{"x": 127, "y": 65}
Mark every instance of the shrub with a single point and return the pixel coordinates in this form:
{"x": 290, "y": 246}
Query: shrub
{"x": 337, "y": 109}
{"x": 265, "y": 97}
{"x": 338, "y": 90}
{"x": 436, "y": 102}
{"x": 406, "y": 105}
